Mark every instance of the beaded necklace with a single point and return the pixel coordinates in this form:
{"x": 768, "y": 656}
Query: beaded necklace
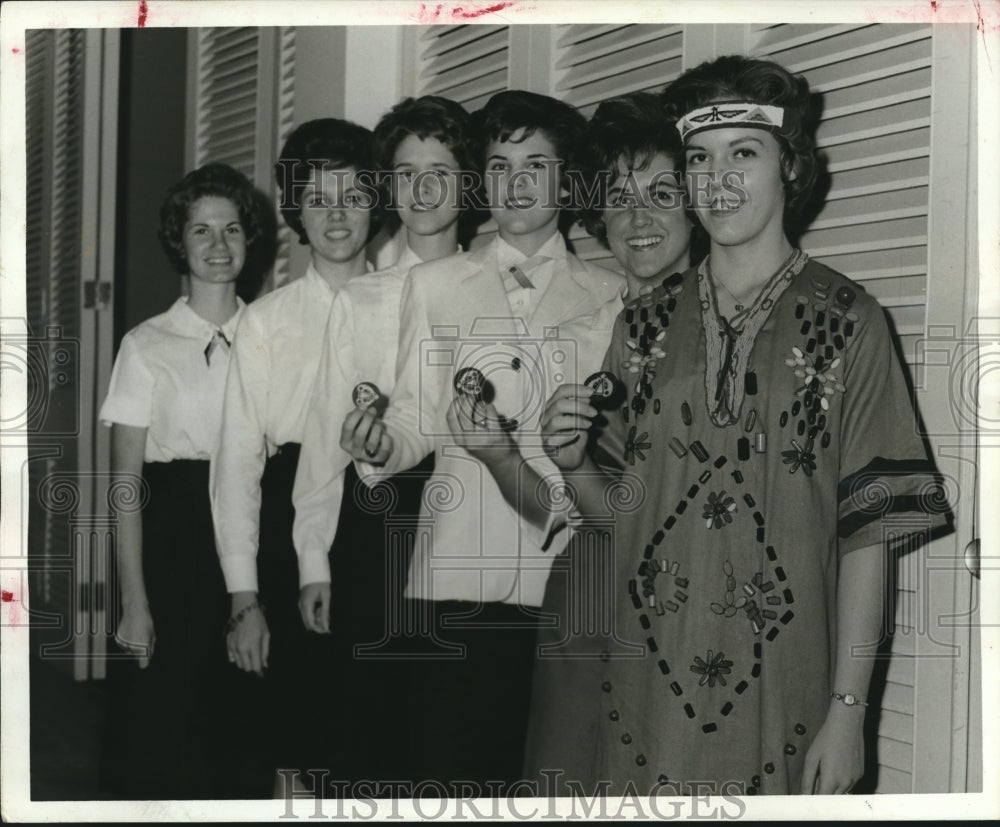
{"x": 728, "y": 343}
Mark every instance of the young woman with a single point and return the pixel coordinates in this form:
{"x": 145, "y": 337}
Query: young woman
{"x": 767, "y": 431}
{"x": 328, "y": 202}
{"x": 422, "y": 146}
{"x": 173, "y": 729}
{"x": 631, "y": 160}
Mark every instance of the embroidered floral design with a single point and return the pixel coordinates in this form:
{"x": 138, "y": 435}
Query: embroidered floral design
{"x": 816, "y": 377}
{"x": 800, "y": 457}
{"x": 718, "y": 510}
{"x": 798, "y": 360}
{"x": 712, "y": 669}
{"x": 634, "y": 446}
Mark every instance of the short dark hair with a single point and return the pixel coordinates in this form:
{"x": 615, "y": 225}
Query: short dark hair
{"x": 507, "y": 112}
{"x": 632, "y": 128}
{"x": 430, "y": 116}
{"x": 338, "y": 144}
{"x": 734, "y": 77}
{"x": 255, "y": 212}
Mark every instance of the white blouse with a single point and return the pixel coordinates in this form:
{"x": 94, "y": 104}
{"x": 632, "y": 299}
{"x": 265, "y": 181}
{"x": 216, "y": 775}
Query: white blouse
{"x": 275, "y": 356}
{"x": 362, "y": 338}
{"x": 163, "y": 381}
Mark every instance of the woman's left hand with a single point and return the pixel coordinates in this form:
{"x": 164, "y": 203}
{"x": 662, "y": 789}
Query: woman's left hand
{"x": 836, "y": 760}
{"x": 471, "y": 420}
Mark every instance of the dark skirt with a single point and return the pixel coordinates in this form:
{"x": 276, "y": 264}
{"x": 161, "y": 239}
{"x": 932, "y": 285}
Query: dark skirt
{"x": 181, "y": 728}
{"x": 294, "y": 724}
{"x": 369, "y": 651}
{"x": 469, "y": 696}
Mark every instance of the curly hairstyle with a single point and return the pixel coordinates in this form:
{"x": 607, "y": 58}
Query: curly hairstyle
{"x": 630, "y": 129}
{"x": 255, "y": 212}
{"x": 329, "y": 142}
{"x": 507, "y": 112}
{"x": 734, "y": 77}
{"x": 430, "y": 116}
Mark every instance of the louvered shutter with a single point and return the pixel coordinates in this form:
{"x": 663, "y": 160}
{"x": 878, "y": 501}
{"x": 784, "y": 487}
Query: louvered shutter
{"x": 67, "y": 181}
{"x": 55, "y": 133}
{"x": 875, "y": 82}
{"x": 597, "y": 62}
{"x": 284, "y": 122}
{"x": 227, "y": 82}
{"x": 468, "y": 64}
{"x": 875, "y": 131}
{"x": 37, "y": 75}
{"x": 242, "y": 108}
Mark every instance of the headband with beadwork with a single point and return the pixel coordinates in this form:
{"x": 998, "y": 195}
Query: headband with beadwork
{"x": 723, "y": 114}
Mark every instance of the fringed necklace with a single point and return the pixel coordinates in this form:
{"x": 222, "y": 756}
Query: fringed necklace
{"x": 728, "y": 342}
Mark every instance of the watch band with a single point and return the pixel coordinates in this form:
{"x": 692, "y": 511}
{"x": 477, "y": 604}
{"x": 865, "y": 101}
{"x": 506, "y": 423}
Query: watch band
{"x": 848, "y": 699}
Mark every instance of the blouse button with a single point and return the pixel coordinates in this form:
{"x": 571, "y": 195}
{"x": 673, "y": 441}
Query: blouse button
{"x": 626, "y": 738}
{"x": 640, "y": 760}
{"x": 613, "y": 715}
{"x": 789, "y": 749}
{"x": 800, "y": 730}
{"x": 769, "y": 768}
{"x": 606, "y": 686}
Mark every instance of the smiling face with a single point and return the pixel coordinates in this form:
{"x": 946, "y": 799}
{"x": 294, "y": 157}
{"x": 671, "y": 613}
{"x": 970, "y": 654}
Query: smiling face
{"x": 647, "y": 228}
{"x": 335, "y": 214}
{"x": 523, "y": 179}
{"x": 735, "y": 183}
{"x": 426, "y": 185}
{"x": 215, "y": 244}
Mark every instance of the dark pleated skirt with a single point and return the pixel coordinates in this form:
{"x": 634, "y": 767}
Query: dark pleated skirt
{"x": 182, "y": 728}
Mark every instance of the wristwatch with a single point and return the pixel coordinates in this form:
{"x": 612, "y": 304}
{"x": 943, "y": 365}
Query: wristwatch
{"x": 848, "y": 699}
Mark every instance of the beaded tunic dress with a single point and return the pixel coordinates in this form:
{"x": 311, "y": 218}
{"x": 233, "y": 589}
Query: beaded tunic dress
{"x": 726, "y": 551}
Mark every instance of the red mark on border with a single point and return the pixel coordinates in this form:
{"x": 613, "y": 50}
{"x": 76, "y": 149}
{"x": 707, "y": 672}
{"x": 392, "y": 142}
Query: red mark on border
{"x": 16, "y": 51}
{"x": 6, "y": 596}
{"x": 933, "y": 5}
{"x": 143, "y": 11}
{"x": 459, "y": 12}
{"x": 431, "y": 14}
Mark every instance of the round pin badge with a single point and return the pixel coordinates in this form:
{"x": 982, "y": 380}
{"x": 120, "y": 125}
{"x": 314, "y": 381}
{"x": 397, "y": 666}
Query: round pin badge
{"x": 470, "y": 382}
{"x": 606, "y": 391}
{"x": 367, "y": 395}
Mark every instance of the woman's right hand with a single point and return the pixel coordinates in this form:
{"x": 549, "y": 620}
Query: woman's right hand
{"x": 365, "y": 438}
{"x": 249, "y": 643}
{"x": 567, "y": 418}
{"x": 135, "y": 634}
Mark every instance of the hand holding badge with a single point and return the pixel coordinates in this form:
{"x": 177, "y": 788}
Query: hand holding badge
{"x": 367, "y": 395}
{"x": 606, "y": 390}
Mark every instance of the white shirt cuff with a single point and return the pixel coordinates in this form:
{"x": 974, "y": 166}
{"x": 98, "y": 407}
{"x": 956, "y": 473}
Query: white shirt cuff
{"x": 240, "y": 574}
{"x": 314, "y": 567}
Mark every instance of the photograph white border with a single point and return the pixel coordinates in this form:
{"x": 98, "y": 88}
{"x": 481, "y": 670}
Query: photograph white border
{"x": 15, "y": 18}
